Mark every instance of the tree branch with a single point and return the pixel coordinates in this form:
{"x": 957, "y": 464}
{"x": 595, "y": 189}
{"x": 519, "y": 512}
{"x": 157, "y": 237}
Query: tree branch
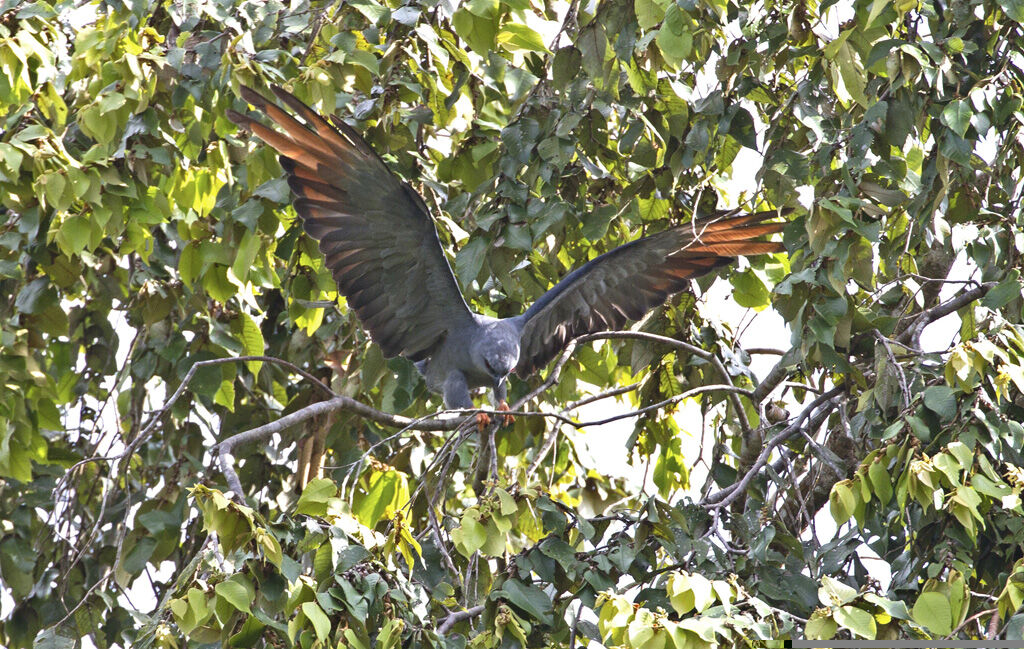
{"x": 224, "y": 449}
{"x": 661, "y": 404}
{"x": 775, "y": 376}
{"x": 741, "y": 414}
{"x": 457, "y": 617}
{"x": 912, "y": 334}
{"x": 726, "y": 496}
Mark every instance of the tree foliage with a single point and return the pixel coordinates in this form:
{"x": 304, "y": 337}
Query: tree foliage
{"x": 153, "y": 274}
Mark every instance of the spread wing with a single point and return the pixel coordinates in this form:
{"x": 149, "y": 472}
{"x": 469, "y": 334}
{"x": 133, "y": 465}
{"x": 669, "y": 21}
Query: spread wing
{"x": 374, "y": 230}
{"x": 627, "y": 282}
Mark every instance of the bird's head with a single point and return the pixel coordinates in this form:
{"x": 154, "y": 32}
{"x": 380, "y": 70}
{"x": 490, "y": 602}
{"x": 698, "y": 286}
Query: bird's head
{"x": 498, "y": 352}
{"x": 500, "y": 361}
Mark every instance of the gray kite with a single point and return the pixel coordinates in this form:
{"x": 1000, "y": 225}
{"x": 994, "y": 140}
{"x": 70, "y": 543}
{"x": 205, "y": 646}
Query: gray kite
{"x": 379, "y": 242}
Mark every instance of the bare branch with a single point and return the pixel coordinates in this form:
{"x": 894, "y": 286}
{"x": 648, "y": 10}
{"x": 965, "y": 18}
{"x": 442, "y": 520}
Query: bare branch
{"x": 726, "y": 496}
{"x": 661, "y": 404}
{"x": 216, "y": 361}
{"x": 643, "y": 335}
{"x": 768, "y": 351}
{"x": 775, "y": 376}
{"x": 602, "y": 395}
{"x": 912, "y": 334}
{"x": 224, "y": 449}
{"x": 321, "y": 407}
{"x": 457, "y": 617}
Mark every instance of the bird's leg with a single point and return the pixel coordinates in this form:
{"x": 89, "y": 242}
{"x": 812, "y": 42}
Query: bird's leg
{"x": 506, "y": 419}
{"x": 483, "y": 420}
{"x": 500, "y": 392}
{"x": 456, "y": 395}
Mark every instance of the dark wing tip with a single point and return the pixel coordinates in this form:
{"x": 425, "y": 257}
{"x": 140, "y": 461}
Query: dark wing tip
{"x": 291, "y": 100}
{"x": 240, "y": 120}
{"x": 253, "y": 97}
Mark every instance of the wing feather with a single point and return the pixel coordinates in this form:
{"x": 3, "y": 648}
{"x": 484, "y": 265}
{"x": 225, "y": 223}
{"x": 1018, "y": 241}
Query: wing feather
{"x": 627, "y": 282}
{"x": 374, "y": 230}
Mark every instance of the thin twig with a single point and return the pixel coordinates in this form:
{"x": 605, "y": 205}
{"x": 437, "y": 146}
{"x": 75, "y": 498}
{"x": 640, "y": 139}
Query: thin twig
{"x": 661, "y": 404}
{"x": 971, "y": 619}
{"x": 900, "y": 374}
{"x": 603, "y": 395}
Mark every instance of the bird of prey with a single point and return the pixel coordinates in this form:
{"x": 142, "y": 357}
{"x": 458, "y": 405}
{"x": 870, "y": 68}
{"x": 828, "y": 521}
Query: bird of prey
{"x": 379, "y": 241}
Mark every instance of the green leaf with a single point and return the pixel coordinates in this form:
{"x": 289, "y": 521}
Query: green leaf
{"x": 49, "y": 639}
{"x": 237, "y": 591}
{"x": 593, "y": 43}
{"x": 247, "y": 250}
{"x": 841, "y": 502}
{"x": 52, "y": 186}
{"x": 748, "y": 289}
{"x": 690, "y": 592}
{"x": 373, "y": 10}
{"x": 675, "y": 40}
{"x": 470, "y": 259}
{"x": 189, "y": 264}
{"x": 941, "y": 400}
{"x": 473, "y": 535}
{"x": 932, "y": 612}
{"x": 1003, "y": 292}
{"x": 1014, "y": 9}
{"x": 191, "y": 611}
{"x": 248, "y": 333}
{"x": 962, "y": 453}
{"x": 270, "y": 546}
{"x": 137, "y": 556}
{"x": 990, "y": 488}
{"x": 857, "y": 620}
{"x": 652, "y": 209}
{"x": 36, "y": 296}
{"x": 494, "y": 545}
{"x": 957, "y": 116}
{"x": 848, "y": 75}
{"x": 249, "y": 635}
{"x": 313, "y": 501}
{"x": 225, "y": 394}
{"x": 893, "y": 609}
{"x": 217, "y": 284}
{"x": 321, "y": 623}
{"x": 110, "y": 102}
{"x": 821, "y": 626}
{"x": 520, "y": 37}
{"x": 648, "y": 13}
{"x": 566, "y": 66}
{"x": 834, "y": 593}
{"x": 379, "y": 496}
{"x": 508, "y": 503}
{"x": 529, "y": 598}
{"x": 75, "y": 232}
{"x": 12, "y": 157}
{"x": 479, "y": 33}
{"x": 483, "y": 8}
{"x": 880, "y": 481}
